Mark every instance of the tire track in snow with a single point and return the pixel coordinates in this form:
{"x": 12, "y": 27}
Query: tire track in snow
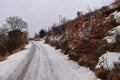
{"x": 47, "y": 64}
{"x": 30, "y": 56}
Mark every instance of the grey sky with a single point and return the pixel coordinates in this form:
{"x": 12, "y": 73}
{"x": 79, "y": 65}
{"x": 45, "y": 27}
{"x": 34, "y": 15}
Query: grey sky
{"x": 43, "y": 13}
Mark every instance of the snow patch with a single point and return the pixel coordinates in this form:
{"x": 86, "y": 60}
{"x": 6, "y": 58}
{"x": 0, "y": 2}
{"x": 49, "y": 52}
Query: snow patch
{"x": 114, "y": 33}
{"x": 117, "y": 16}
{"x": 108, "y": 59}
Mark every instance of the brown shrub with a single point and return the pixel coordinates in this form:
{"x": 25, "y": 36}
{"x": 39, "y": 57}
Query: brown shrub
{"x": 83, "y": 38}
{"x": 11, "y": 43}
{"x": 88, "y": 61}
{"x": 104, "y": 74}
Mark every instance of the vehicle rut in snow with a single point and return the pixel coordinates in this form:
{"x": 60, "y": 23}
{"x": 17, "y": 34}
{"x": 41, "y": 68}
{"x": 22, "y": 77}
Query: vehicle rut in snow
{"x": 47, "y": 65}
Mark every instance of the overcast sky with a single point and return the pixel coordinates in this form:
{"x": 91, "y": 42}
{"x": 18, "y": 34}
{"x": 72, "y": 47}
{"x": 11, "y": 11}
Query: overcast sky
{"x": 43, "y": 13}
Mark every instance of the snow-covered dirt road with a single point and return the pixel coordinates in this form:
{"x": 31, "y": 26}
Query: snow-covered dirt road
{"x": 47, "y": 64}
{"x": 40, "y": 61}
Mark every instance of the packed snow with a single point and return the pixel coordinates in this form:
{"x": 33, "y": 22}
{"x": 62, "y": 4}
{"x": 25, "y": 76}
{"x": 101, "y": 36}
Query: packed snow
{"x": 13, "y": 63}
{"x": 51, "y": 64}
{"x": 46, "y": 64}
{"x": 108, "y": 60}
{"x": 83, "y": 73}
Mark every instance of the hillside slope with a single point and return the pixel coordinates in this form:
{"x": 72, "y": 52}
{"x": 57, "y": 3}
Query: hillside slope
{"x": 89, "y": 36}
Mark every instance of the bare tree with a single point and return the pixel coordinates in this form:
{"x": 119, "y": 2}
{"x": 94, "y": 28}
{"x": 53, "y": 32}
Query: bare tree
{"x": 16, "y": 23}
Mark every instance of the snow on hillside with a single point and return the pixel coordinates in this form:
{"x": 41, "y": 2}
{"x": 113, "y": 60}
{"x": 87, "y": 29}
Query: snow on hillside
{"x": 117, "y": 16}
{"x": 114, "y": 33}
{"x": 13, "y": 63}
{"x": 108, "y": 60}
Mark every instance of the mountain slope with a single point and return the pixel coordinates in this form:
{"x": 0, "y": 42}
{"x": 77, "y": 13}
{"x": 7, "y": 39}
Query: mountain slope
{"x": 84, "y": 38}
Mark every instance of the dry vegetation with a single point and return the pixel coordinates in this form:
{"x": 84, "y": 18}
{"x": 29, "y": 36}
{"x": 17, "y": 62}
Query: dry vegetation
{"x": 12, "y": 39}
{"x": 113, "y": 74}
{"x": 83, "y": 39}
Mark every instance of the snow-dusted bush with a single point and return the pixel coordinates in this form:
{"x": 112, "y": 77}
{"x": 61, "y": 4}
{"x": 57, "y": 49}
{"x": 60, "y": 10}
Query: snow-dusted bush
{"x": 12, "y": 36}
{"x": 114, "y": 34}
{"x": 117, "y": 16}
{"x": 108, "y": 60}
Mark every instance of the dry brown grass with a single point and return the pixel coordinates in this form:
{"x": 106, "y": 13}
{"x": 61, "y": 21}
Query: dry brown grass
{"x": 104, "y": 74}
{"x": 18, "y": 49}
{"x": 88, "y": 61}
{"x": 2, "y": 58}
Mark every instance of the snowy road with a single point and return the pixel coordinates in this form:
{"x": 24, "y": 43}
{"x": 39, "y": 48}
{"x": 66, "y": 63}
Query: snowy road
{"x": 39, "y": 61}
{"x": 47, "y": 64}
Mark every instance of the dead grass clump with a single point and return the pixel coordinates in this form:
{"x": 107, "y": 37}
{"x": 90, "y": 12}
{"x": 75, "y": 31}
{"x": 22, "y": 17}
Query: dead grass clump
{"x": 104, "y": 74}
{"x": 88, "y": 61}
{"x": 2, "y": 58}
{"x": 115, "y": 72}
{"x": 18, "y": 49}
